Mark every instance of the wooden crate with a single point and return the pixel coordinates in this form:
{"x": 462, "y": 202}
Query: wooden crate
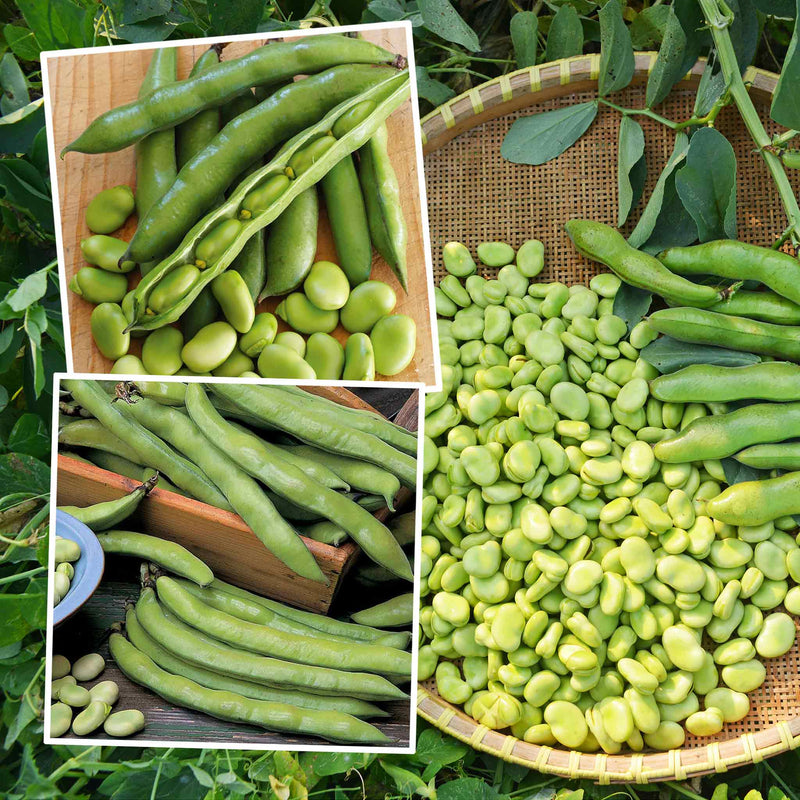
{"x": 221, "y": 538}
{"x": 85, "y": 85}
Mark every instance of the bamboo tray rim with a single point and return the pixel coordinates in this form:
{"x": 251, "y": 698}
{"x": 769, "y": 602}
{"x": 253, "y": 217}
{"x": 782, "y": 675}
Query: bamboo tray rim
{"x": 483, "y": 103}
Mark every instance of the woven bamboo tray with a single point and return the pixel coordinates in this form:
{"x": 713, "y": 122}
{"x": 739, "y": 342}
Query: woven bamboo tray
{"x": 474, "y": 196}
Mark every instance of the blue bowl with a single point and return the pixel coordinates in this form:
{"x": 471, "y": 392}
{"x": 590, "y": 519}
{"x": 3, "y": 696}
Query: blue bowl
{"x": 88, "y": 568}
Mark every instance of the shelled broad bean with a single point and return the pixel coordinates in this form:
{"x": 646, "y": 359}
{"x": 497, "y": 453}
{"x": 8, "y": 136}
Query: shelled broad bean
{"x": 575, "y": 589}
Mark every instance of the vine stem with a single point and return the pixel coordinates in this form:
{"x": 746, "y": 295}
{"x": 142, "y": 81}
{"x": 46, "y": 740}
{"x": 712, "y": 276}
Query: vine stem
{"x": 719, "y": 18}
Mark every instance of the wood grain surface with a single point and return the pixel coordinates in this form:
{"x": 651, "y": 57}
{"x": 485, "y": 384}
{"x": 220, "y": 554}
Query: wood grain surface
{"x": 87, "y": 630}
{"x": 85, "y": 85}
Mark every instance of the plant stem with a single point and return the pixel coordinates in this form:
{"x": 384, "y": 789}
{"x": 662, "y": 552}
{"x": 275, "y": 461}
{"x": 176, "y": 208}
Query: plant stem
{"x": 719, "y": 17}
{"x": 22, "y": 575}
{"x": 642, "y": 112}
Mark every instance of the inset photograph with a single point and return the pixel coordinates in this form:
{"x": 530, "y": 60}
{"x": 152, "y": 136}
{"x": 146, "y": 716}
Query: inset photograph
{"x": 232, "y": 566}
{"x": 251, "y": 207}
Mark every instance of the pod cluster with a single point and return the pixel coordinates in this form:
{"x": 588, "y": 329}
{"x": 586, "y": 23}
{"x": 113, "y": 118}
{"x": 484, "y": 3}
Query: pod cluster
{"x": 578, "y": 590}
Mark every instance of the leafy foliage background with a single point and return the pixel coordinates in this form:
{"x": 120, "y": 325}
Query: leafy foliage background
{"x": 458, "y": 45}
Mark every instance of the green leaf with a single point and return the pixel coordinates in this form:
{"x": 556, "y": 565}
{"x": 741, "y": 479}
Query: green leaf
{"x": 234, "y": 16}
{"x": 470, "y": 788}
{"x": 674, "y": 224}
{"x": 631, "y": 167}
{"x": 707, "y": 185}
{"x": 744, "y": 31}
{"x": 21, "y": 614}
{"x": 785, "y": 108}
{"x": 647, "y": 29}
{"x": 29, "y": 291}
{"x": 19, "y": 128}
{"x": 668, "y": 69}
{"x": 736, "y": 472}
{"x": 617, "y": 62}
{"x": 407, "y": 783}
{"x": 565, "y": 37}
{"x": 22, "y": 186}
{"x": 29, "y": 435}
{"x": 14, "y": 85}
{"x": 340, "y": 763}
{"x": 24, "y": 716}
{"x": 539, "y": 138}
{"x": 442, "y": 19}
{"x": 647, "y": 222}
{"x": 22, "y": 42}
{"x": 698, "y": 37}
{"x": 779, "y": 8}
{"x": 709, "y": 90}
{"x": 524, "y": 29}
{"x": 433, "y": 91}
{"x": 23, "y": 473}
{"x": 56, "y": 24}
{"x": 631, "y": 304}
{"x": 668, "y": 355}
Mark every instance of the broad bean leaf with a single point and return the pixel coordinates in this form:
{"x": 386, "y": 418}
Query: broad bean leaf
{"x": 631, "y": 166}
{"x": 707, "y": 185}
{"x": 23, "y": 473}
{"x": 778, "y": 8}
{"x": 565, "y": 37}
{"x": 393, "y": 10}
{"x": 19, "y": 128}
{"x": 631, "y": 304}
{"x": 647, "y": 222}
{"x": 539, "y": 138}
{"x": 234, "y": 16}
{"x": 57, "y": 24}
{"x": 709, "y": 90}
{"x": 735, "y": 472}
{"x": 698, "y": 37}
{"x": 28, "y": 292}
{"x": 785, "y": 108}
{"x": 22, "y": 42}
{"x": 442, "y": 19}
{"x": 617, "y": 61}
{"x": 744, "y": 31}
{"x": 139, "y": 11}
{"x": 407, "y": 783}
{"x": 668, "y": 69}
{"x": 14, "y": 85}
{"x": 22, "y": 186}
{"x": 669, "y": 355}
{"x": 433, "y": 91}
{"x": 436, "y": 751}
{"x": 21, "y": 614}
{"x": 674, "y": 224}
{"x": 470, "y": 788}
{"x": 339, "y": 763}
{"x": 524, "y": 30}
{"x": 647, "y": 29}
{"x": 29, "y": 435}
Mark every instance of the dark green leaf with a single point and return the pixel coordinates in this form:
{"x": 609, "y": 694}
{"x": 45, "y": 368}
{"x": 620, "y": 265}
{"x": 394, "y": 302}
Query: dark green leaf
{"x": 524, "y": 29}
{"x": 29, "y": 435}
{"x": 538, "y": 138}
{"x": 631, "y": 166}
{"x": 11, "y": 339}
{"x": 674, "y": 224}
{"x": 647, "y": 222}
{"x": 470, "y": 788}
{"x": 698, "y": 37}
{"x": 668, "y": 69}
{"x": 631, "y": 304}
{"x": 139, "y": 11}
{"x": 738, "y": 473}
{"x": 234, "y": 16}
{"x": 709, "y": 90}
{"x": 744, "y": 31}
{"x": 57, "y": 24}
{"x": 565, "y": 37}
{"x": 778, "y": 8}
{"x": 442, "y": 19}
{"x": 24, "y": 716}
{"x": 21, "y": 614}
{"x": 22, "y": 186}
{"x": 433, "y": 91}
{"x": 668, "y": 355}
{"x": 339, "y": 763}
{"x": 23, "y": 473}
{"x": 407, "y": 783}
{"x": 28, "y": 292}
{"x": 616, "y": 51}
{"x": 647, "y": 29}
{"x": 707, "y": 185}
{"x": 18, "y": 129}
{"x": 22, "y": 42}
{"x": 786, "y": 100}
{"x": 14, "y": 85}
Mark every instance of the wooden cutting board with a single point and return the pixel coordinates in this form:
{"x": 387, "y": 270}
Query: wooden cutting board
{"x": 82, "y": 86}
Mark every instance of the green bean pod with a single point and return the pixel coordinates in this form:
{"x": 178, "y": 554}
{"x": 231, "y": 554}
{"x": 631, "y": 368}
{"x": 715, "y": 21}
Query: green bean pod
{"x": 170, "y": 105}
{"x": 190, "y": 644}
{"x": 101, "y": 516}
{"x": 757, "y": 502}
{"x": 196, "y": 132}
{"x": 387, "y": 226}
{"x": 330, "y": 725}
{"x": 350, "y": 656}
{"x": 140, "y": 639}
{"x": 347, "y": 215}
{"x": 292, "y": 244}
{"x": 723, "y": 435}
{"x": 778, "y": 381}
{"x": 785, "y": 455}
{"x": 604, "y": 244}
{"x": 393, "y": 613}
{"x": 738, "y": 261}
{"x": 391, "y": 91}
{"x": 316, "y": 429}
{"x": 701, "y": 326}
{"x": 151, "y": 450}
{"x": 169, "y": 555}
{"x": 243, "y": 493}
{"x": 765, "y": 305}
{"x": 246, "y": 138}
{"x": 92, "y": 433}
{"x": 293, "y": 484}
